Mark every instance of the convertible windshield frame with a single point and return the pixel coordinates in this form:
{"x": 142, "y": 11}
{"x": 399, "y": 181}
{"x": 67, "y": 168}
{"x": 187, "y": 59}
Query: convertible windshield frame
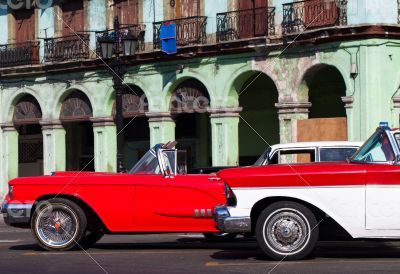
{"x": 369, "y": 146}
{"x": 148, "y": 164}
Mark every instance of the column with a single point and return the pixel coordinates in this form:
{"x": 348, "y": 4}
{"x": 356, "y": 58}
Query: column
{"x": 162, "y": 127}
{"x": 289, "y": 113}
{"x": 54, "y": 157}
{"x": 105, "y": 144}
{"x": 348, "y": 104}
{"x": 10, "y": 154}
{"x": 225, "y": 136}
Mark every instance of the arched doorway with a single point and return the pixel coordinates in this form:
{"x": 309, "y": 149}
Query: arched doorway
{"x": 327, "y": 117}
{"x": 189, "y": 103}
{"x": 259, "y": 125}
{"x": 26, "y": 117}
{"x": 75, "y": 115}
{"x": 136, "y": 127}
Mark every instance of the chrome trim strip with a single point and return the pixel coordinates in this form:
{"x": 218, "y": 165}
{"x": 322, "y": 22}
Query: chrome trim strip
{"x": 196, "y": 213}
{"x": 229, "y": 224}
{"x": 16, "y": 213}
{"x": 203, "y": 212}
{"x": 209, "y": 212}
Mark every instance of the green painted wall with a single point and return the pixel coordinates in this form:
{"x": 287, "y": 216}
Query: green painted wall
{"x": 373, "y": 87}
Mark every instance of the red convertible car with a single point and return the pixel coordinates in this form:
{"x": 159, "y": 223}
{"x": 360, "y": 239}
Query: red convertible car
{"x": 289, "y": 206}
{"x": 70, "y": 209}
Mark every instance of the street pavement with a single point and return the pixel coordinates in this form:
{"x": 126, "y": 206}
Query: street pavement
{"x": 188, "y": 253}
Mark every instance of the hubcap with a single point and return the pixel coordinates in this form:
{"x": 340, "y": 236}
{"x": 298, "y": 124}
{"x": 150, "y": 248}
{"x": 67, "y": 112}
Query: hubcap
{"x": 56, "y": 227}
{"x": 286, "y": 231}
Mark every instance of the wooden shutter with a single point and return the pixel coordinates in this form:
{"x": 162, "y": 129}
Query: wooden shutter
{"x": 187, "y": 8}
{"x": 73, "y": 17}
{"x": 318, "y": 13}
{"x": 25, "y": 25}
{"x": 127, "y": 11}
{"x": 246, "y": 18}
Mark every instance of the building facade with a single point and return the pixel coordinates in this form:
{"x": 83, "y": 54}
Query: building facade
{"x": 246, "y": 74}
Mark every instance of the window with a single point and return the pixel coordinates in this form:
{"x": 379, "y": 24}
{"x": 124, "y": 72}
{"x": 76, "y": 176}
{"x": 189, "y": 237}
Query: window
{"x": 293, "y": 156}
{"x": 335, "y": 154}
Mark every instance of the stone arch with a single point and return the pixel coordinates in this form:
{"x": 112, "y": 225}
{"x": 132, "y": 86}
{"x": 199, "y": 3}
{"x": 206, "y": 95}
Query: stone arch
{"x": 259, "y": 121}
{"x": 189, "y": 103}
{"x": 27, "y": 111}
{"x": 170, "y": 87}
{"x": 26, "y": 117}
{"x": 62, "y": 95}
{"x": 302, "y": 92}
{"x": 133, "y": 104}
{"x": 76, "y": 106}
{"x": 110, "y": 96}
{"x": 310, "y": 77}
{"x": 190, "y": 96}
{"x": 233, "y": 87}
{"x": 323, "y": 86}
{"x": 16, "y": 98}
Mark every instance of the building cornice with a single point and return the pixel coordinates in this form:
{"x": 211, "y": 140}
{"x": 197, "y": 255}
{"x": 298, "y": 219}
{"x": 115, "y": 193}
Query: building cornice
{"x": 293, "y": 107}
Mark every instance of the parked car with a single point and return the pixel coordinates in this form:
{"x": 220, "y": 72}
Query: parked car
{"x": 286, "y": 205}
{"x": 325, "y": 151}
{"x": 76, "y": 208}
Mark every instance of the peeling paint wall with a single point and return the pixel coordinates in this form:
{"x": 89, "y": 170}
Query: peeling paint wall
{"x": 152, "y": 12}
{"x": 3, "y": 24}
{"x": 46, "y": 27}
{"x": 213, "y": 7}
{"x": 96, "y": 22}
{"x": 372, "y": 11}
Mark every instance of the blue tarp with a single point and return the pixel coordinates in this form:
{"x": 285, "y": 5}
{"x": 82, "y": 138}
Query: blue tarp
{"x": 168, "y": 38}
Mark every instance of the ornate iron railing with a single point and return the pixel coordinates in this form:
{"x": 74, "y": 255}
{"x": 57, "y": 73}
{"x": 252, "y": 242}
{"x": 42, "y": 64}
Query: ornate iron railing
{"x": 242, "y": 24}
{"x": 19, "y": 54}
{"x": 73, "y": 47}
{"x": 137, "y": 30}
{"x": 189, "y": 31}
{"x": 311, "y": 14}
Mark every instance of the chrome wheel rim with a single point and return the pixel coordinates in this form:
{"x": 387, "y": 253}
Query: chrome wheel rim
{"x": 56, "y": 228}
{"x": 286, "y": 231}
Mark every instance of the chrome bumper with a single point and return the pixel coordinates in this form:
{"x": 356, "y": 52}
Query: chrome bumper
{"x": 14, "y": 214}
{"x": 229, "y": 224}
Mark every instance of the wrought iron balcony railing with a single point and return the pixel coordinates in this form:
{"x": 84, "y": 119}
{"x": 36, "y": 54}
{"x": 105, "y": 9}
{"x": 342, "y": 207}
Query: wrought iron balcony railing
{"x": 189, "y": 31}
{"x": 311, "y": 14}
{"x": 137, "y": 30}
{"x": 242, "y": 24}
{"x": 73, "y": 47}
{"x": 19, "y": 54}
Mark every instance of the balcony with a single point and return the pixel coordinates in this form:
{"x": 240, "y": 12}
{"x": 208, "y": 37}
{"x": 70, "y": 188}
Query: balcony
{"x": 311, "y": 14}
{"x": 66, "y": 48}
{"x": 138, "y": 31}
{"x": 245, "y": 24}
{"x": 19, "y": 54}
{"x": 189, "y": 31}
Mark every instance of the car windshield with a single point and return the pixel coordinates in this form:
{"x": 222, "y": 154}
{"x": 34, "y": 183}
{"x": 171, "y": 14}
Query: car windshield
{"x": 148, "y": 164}
{"x": 376, "y": 149}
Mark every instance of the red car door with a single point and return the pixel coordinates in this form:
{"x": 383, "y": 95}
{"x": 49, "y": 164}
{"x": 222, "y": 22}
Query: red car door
{"x": 180, "y": 203}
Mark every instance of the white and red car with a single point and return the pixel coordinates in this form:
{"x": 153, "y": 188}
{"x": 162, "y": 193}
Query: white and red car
{"x": 286, "y": 205}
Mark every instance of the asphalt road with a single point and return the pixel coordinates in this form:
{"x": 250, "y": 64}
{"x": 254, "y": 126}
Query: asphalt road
{"x": 188, "y": 253}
